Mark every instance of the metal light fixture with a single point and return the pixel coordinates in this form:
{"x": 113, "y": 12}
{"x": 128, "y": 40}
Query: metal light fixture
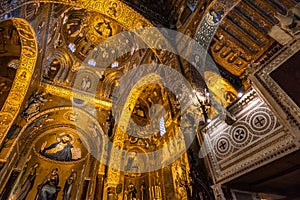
{"x": 203, "y": 99}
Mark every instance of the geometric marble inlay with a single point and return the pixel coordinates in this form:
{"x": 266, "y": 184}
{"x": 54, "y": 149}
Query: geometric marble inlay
{"x": 261, "y": 121}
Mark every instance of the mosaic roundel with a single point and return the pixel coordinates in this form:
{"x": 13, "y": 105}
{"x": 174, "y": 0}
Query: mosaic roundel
{"x": 261, "y": 121}
{"x": 222, "y": 146}
{"x": 113, "y": 9}
{"x": 240, "y": 135}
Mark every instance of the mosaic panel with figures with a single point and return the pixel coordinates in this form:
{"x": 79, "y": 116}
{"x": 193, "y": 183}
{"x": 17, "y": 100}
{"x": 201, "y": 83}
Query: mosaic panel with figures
{"x": 85, "y": 30}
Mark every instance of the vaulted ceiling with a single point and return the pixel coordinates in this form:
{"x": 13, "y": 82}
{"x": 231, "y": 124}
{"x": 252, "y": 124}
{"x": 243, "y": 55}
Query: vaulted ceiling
{"x": 240, "y": 39}
{"x": 237, "y": 38}
{"x": 67, "y": 34}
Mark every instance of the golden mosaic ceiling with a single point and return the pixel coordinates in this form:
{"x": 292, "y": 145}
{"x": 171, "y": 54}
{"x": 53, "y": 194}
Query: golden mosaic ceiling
{"x": 59, "y": 96}
{"x": 241, "y": 38}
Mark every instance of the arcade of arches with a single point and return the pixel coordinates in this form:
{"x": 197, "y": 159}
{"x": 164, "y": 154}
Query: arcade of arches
{"x": 99, "y": 101}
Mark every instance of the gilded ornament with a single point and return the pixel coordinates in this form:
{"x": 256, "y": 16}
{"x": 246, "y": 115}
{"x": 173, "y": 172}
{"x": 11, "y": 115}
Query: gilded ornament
{"x": 25, "y": 71}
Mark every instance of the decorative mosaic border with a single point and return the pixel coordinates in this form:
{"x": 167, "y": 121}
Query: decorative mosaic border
{"x": 29, "y": 52}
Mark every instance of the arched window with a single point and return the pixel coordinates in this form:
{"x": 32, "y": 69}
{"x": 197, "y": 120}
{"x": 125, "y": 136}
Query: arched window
{"x": 162, "y": 128}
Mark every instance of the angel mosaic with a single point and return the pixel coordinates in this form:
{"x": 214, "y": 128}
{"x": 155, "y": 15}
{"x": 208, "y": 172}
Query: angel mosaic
{"x": 104, "y": 28}
{"x": 35, "y": 103}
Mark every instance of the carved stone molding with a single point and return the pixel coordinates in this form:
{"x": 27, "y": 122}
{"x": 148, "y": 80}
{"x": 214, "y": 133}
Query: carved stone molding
{"x": 277, "y": 99}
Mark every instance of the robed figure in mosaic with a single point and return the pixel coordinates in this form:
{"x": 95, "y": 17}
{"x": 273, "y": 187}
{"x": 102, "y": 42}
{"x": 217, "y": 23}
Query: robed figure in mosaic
{"x": 28, "y": 183}
{"x": 49, "y": 188}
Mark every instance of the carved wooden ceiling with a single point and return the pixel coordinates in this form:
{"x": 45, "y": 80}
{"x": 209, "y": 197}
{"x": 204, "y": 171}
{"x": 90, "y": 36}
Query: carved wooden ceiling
{"x": 164, "y": 12}
{"x": 243, "y": 35}
{"x": 241, "y": 38}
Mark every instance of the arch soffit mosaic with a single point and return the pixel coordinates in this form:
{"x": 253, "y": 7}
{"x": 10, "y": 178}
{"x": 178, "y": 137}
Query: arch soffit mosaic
{"x": 23, "y": 76}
